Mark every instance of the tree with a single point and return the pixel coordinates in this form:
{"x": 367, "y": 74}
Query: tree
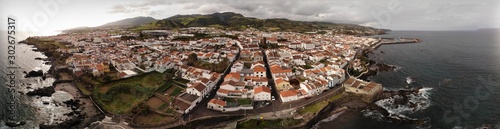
{"x": 107, "y": 78}
{"x": 192, "y": 58}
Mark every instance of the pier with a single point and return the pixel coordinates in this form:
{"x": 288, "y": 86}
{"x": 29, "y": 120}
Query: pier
{"x": 395, "y": 41}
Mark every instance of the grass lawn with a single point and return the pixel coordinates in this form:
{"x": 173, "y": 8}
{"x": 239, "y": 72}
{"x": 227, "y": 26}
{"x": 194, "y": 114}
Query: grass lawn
{"x": 316, "y": 107}
{"x": 121, "y": 96}
{"x": 244, "y": 101}
{"x": 153, "y": 79}
{"x": 176, "y": 91}
{"x": 163, "y": 106}
{"x": 279, "y": 123}
{"x": 82, "y": 88}
{"x": 165, "y": 87}
{"x": 239, "y": 101}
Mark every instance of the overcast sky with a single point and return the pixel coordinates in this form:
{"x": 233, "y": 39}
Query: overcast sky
{"x": 390, "y": 14}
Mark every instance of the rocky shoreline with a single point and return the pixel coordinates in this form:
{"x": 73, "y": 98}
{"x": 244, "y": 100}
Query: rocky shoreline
{"x": 375, "y": 67}
{"x": 83, "y": 111}
{"x": 353, "y": 104}
{"x": 46, "y": 91}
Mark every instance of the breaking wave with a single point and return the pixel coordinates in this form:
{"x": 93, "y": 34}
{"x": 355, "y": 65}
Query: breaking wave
{"x": 398, "y": 108}
{"x": 409, "y": 80}
{"x": 374, "y": 114}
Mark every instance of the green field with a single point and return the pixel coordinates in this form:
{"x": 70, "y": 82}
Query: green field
{"x": 316, "y": 107}
{"x": 176, "y": 91}
{"x": 82, "y": 88}
{"x": 122, "y": 96}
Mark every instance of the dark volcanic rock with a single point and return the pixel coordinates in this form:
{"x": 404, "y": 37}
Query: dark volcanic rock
{"x": 69, "y": 124}
{"x": 46, "y": 91}
{"x": 15, "y": 124}
{"x": 385, "y": 67}
{"x": 38, "y": 73}
{"x": 74, "y": 121}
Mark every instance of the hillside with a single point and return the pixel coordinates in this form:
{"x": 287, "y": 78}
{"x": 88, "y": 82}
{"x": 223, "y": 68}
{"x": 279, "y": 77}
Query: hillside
{"x": 234, "y": 21}
{"x": 130, "y": 21}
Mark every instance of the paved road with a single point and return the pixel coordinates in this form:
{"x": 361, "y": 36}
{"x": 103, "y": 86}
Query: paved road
{"x": 276, "y": 108}
{"x": 200, "y": 111}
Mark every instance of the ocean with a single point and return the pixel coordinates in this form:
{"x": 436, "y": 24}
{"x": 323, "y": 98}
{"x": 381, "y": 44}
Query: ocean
{"x": 27, "y": 109}
{"x": 458, "y": 70}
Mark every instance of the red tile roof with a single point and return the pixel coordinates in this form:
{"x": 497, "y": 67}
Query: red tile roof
{"x": 218, "y": 102}
{"x": 262, "y": 89}
{"x": 259, "y": 68}
{"x": 289, "y": 93}
{"x": 198, "y": 86}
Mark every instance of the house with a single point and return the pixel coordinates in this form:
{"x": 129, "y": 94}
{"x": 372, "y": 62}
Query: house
{"x": 308, "y": 46}
{"x": 198, "y": 89}
{"x": 289, "y": 95}
{"x": 216, "y": 104}
{"x": 261, "y": 81}
{"x": 235, "y": 76}
{"x": 297, "y": 60}
{"x": 281, "y": 84}
{"x": 246, "y": 54}
{"x": 237, "y": 66}
{"x": 185, "y": 102}
{"x": 276, "y": 70}
{"x": 232, "y": 85}
{"x": 257, "y": 56}
{"x": 262, "y": 93}
{"x": 259, "y": 71}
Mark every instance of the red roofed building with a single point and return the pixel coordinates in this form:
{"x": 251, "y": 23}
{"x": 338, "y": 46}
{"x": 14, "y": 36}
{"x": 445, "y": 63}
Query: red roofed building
{"x": 198, "y": 89}
{"x": 216, "y": 104}
{"x": 262, "y": 93}
{"x": 259, "y": 71}
{"x": 235, "y": 76}
{"x": 289, "y": 95}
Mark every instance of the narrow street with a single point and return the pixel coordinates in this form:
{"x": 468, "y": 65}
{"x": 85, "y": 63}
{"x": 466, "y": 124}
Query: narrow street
{"x": 277, "y": 105}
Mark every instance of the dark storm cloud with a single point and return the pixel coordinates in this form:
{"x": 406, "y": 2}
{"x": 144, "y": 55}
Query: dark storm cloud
{"x": 394, "y": 14}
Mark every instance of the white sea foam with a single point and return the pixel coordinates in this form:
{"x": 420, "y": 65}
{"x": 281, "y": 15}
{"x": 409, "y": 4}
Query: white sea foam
{"x": 396, "y": 68}
{"x": 51, "y": 110}
{"x": 416, "y": 102}
{"x": 409, "y": 80}
{"x": 374, "y": 114}
{"x": 30, "y": 84}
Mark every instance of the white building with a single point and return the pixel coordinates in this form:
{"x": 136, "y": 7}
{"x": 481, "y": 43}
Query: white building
{"x": 262, "y": 93}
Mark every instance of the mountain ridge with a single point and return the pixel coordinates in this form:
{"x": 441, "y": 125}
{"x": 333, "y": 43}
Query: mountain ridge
{"x": 130, "y": 21}
{"x": 236, "y": 21}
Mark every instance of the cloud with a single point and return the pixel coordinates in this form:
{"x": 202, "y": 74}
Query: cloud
{"x": 119, "y": 9}
{"x": 428, "y": 13}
